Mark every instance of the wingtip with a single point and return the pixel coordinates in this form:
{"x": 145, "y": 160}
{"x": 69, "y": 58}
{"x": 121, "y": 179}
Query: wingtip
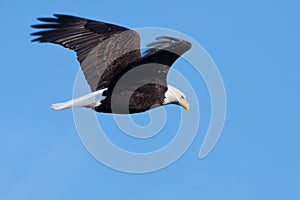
{"x": 39, "y": 39}
{"x": 35, "y": 26}
{"x": 167, "y": 38}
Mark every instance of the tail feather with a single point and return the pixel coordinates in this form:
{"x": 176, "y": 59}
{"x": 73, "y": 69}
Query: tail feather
{"x": 89, "y": 101}
{"x": 61, "y": 106}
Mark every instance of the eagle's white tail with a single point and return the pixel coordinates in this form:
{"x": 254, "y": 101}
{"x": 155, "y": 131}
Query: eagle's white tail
{"x": 61, "y": 106}
{"x": 90, "y": 100}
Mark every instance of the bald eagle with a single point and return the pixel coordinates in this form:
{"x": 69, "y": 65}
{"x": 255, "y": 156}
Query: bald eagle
{"x": 122, "y": 79}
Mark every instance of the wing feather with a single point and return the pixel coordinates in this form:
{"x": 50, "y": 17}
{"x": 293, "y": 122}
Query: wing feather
{"x": 163, "y": 53}
{"x": 98, "y": 45}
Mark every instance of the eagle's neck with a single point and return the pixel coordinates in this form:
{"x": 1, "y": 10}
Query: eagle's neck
{"x": 172, "y": 95}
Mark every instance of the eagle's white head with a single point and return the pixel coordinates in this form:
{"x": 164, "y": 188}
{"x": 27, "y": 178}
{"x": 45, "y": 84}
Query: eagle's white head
{"x": 175, "y": 96}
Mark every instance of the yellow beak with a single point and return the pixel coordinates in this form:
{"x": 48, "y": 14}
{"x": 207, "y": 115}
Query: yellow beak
{"x": 184, "y": 104}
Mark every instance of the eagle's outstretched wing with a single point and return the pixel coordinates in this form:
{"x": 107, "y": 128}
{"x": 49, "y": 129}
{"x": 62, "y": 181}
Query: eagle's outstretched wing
{"x": 103, "y": 49}
{"x": 165, "y": 50}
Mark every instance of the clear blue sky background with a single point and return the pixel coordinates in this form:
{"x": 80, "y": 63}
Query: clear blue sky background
{"x": 256, "y": 47}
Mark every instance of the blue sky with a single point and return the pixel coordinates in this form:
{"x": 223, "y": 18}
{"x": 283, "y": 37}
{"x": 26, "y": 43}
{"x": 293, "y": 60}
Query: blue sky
{"x": 256, "y": 47}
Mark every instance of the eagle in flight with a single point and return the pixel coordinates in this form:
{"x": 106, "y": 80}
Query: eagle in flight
{"x": 122, "y": 79}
